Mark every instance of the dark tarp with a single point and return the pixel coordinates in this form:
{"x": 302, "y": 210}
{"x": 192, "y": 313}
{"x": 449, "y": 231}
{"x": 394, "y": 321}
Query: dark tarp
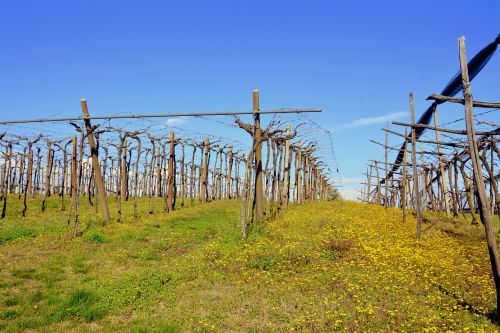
{"x": 453, "y": 87}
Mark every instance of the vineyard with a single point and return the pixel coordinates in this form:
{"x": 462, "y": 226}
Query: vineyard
{"x": 181, "y": 171}
{"x": 171, "y": 222}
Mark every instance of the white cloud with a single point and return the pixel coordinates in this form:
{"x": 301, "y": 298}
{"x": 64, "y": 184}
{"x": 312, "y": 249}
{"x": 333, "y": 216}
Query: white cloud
{"x": 367, "y": 121}
{"x": 174, "y": 121}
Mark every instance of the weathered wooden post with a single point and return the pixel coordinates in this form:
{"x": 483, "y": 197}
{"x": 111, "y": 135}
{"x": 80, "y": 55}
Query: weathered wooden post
{"x": 458, "y": 197}
{"x": 415, "y": 172}
{"x": 20, "y": 179}
{"x": 468, "y": 192}
{"x": 257, "y": 142}
{"x": 5, "y": 180}
{"x": 229, "y": 172}
{"x": 299, "y": 173}
{"x": 368, "y": 189}
{"x": 183, "y": 175}
{"x": 452, "y": 191}
{"x": 484, "y": 208}
{"x": 405, "y": 177}
{"x": 379, "y": 199}
{"x": 48, "y": 167}
{"x": 29, "y": 177}
{"x": 444, "y": 186}
{"x": 136, "y": 176}
{"x": 204, "y": 172}
{"x": 158, "y": 190}
{"x": 245, "y": 196}
{"x": 386, "y": 203}
{"x": 494, "y": 196}
{"x": 192, "y": 177}
{"x": 315, "y": 182}
{"x": 424, "y": 183}
{"x": 64, "y": 175}
{"x": 284, "y": 193}
{"x": 123, "y": 173}
{"x": 171, "y": 173}
{"x": 101, "y": 190}
{"x": 306, "y": 177}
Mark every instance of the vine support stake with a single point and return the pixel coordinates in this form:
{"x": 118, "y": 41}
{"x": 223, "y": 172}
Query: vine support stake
{"x": 416, "y": 192}
{"x": 484, "y": 206}
{"x": 101, "y": 190}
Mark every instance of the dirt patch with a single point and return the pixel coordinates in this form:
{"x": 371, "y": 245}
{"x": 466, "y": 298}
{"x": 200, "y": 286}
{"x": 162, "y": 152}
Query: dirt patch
{"x": 173, "y": 251}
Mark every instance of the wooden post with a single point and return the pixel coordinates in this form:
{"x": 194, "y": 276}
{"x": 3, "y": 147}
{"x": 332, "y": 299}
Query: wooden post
{"x": 458, "y": 197}
{"x": 136, "y": 178}
{"x": 192, "y": 177}
{"x": 306, "y": 177}
{"x": 204, "y": 173}
{"x": 171, "y": 173}
{"x": 405, "y": 177}
{"x": 275, "y": 150}
{"x": 286, "y": 171}
{"x": 415, "y": 172}
{"x": 386, "y": 204}
{"x": 5, "y": 180}
{"x": 21, "y": 172}
{"x": 259, "y": 186}
{"x": 74, "y": 187}
{"x": 431, "y": 188}
{"x": 183, "y": 175}
{"x": 245, "y": 196}
{"x": 121, "y": 178}
{"x": 369, "y": 183}
{"x": 63, "y": 181}
{"x": 424, "y": 183}
{"x": 315, "y": 182}
{"x": 444, "y": 186}
{"x": 468, "y": 192}
{"x": 101, "y": 190}
{"x": 47, "y": 175}
{"x": 123, "y": 173}
{"x": 299, "y": 172}
{"x": 229, "y": 172}
{"x": 452, "y": 192}
{"x": 484, "y": 207}
{"x": 158, "y": 191}
{"x": 29, "y": 177}
{"x": 378, "y": 183}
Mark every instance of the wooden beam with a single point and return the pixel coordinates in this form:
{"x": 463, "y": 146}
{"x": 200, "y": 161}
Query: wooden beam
{"x": 496, "y": 132}
{"x": 478, "y": 104}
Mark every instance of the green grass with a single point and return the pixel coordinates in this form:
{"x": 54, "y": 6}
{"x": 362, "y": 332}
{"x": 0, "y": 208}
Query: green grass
{"x": 14, "y": 233}
{"x": 79, "y": 305}
{"x": 318, "y": 268}
{"x": 110, "y": 271}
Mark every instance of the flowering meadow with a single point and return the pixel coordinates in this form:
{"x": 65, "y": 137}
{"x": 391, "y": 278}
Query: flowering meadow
{"x": 321, "y": 267}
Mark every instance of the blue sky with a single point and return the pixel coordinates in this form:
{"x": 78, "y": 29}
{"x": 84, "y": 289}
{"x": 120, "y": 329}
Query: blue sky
{"x": 355, "y": 59}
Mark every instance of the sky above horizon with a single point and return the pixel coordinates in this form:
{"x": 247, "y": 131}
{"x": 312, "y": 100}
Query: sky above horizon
{"x": 357, "y": 60}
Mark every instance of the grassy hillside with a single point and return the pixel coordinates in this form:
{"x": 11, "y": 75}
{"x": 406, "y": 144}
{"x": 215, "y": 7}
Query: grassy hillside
{"x": 321, "y": 267}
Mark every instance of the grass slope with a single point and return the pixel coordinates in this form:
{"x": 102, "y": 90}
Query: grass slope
{"x": 321, "y": 267}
